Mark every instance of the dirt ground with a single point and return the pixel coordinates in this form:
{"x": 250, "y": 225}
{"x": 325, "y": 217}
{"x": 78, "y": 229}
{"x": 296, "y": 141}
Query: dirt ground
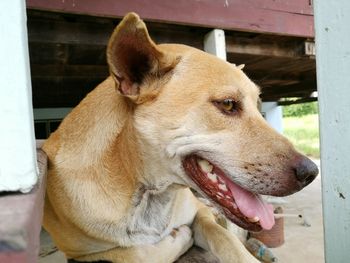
{"x": 302, "y": 243}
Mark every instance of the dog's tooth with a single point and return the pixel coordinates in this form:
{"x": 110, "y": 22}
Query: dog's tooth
{"x": 213, "y": 177}
{"x": 223, "y": 187}
{"x": 205, "y": 166}
{"x": 254, "y": 219}
{"x": 220, "y": 194}
{"x": 220, "y": 180}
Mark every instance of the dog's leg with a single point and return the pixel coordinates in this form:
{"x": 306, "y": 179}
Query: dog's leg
{"x": 211, "y": 236}
{"x": 167, "y": 250}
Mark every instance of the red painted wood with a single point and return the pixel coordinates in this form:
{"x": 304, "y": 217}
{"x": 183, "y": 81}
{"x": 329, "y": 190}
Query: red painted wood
{"x": 284, "y": 17}
{"x": 14, "y": 257}
{"x": 292, "y": 6}
{"x": 20, "y": 221}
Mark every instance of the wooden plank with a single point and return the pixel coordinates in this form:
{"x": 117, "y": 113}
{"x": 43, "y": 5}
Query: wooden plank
{"x": 260, "y": 68}
{"x": 62, "y": 54}
{"x": 296, "y": 101}
{"x": 264, "y": 16}
{"x": 64, "y": 49}
{"x": 295, "y": 6}
{"x": 333, "y": 63}
{"x": 283, "y": 65}
{"x": 69, "y": 32}
{"x": 268, "y": 46}
{"x": 20, "y": 217}
{"x": 48, "y": 28}
{"x": 62, "y": 91}
{"x": 305, "y": 86}
{"x": 278, "y": 97}
{"x": 52, "y": 70}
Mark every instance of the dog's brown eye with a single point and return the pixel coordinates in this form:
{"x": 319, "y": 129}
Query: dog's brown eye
{"x": 228, "y": 106}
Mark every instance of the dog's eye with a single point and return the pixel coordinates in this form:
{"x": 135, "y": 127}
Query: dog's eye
{"x": 228, "y": 106}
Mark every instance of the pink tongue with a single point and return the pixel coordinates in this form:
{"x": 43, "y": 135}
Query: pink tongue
{"x": 252, "y": 205}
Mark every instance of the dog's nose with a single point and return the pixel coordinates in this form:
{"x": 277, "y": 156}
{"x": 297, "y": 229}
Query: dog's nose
{"x": 306, "y": 171}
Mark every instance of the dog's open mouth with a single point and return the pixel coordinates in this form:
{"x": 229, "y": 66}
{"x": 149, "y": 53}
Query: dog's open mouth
{"x": 242, "y": 207}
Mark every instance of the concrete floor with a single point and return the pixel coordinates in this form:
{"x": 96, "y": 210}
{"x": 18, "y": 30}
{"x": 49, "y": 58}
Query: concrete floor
{"x": 302, "y": 243}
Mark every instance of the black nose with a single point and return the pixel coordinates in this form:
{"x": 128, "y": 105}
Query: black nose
{"x": 306, "y": 171}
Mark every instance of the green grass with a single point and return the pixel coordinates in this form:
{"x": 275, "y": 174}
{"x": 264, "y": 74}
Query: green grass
{"x": 303, "y": 132}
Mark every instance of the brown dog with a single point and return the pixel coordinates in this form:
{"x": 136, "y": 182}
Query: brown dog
{"x": 168, "y": 118}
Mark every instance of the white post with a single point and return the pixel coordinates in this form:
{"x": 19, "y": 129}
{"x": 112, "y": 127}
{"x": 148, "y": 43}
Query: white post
{"x": 273, "y": 115}
{"x": 17, "y": 145}
{"x": 332, "y": 22}
{"x": 214, "y": 43}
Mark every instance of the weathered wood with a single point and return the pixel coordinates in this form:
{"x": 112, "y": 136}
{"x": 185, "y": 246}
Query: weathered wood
{"x": 69, "y": 32}
{"x": 265, "y": 16}
{"x": 296, "y": 101}
{"x": 277, "y": 98}
{"x": 54, "y": 70}
{"x": 62, "y": 91}
{"x": 333, "y": 63}
{"x": 66, "y": 85}
{"x": 77, "y": 30}
{"x": 272, "y": 76}
{"x": 267, "y": 46}
{"x": 60, "y": 63}
{"x": 306, "y": 86}
{"x": 20, "y": 217}
{"x": 57, "y": 53}
{"x": 280, "y": 65}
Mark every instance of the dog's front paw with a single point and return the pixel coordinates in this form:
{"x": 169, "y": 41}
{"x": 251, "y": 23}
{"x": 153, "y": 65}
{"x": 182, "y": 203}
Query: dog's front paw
{"x": 169, "y": 249}
{"x": 181, "y": 239}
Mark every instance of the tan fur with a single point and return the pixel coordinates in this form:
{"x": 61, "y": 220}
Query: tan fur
{"x": 116, "y": 188}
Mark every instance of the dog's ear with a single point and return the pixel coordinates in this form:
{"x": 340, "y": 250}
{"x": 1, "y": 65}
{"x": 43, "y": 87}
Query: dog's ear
{"x": 134, "y": 58}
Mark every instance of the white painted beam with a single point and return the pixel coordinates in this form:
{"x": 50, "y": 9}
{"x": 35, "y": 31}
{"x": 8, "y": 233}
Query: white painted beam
{"x": 332, "y": 22}
{"x": 18, "y": 169}
{"x": 214, "y": 43}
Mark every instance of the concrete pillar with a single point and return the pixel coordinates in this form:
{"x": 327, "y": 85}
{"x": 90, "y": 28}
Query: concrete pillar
{"x": 18, "y": 169}
{"x": 273, "y": 115}
{"x": 332, "y": 22}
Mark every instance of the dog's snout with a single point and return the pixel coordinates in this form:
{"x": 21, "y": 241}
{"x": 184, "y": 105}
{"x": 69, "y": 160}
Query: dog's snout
{"x": 306, "y": 171}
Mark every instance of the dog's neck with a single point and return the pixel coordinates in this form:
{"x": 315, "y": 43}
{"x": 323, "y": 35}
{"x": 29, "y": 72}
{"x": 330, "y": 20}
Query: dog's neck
{"x": 139, "y": 163}
{"x": 131, "y": 156}
{"x": 112, "y": 142}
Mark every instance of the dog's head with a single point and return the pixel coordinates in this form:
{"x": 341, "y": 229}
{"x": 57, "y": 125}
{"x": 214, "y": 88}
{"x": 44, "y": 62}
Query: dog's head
{"x": 198, "y": 124}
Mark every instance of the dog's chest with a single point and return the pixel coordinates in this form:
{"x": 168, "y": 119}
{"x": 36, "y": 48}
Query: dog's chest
{"x": 154, "y": 215}
{"x": 150, "y": 215}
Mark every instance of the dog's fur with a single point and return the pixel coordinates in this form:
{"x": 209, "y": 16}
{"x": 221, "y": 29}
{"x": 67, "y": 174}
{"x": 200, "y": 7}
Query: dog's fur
{"x": 117, "y": 189}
